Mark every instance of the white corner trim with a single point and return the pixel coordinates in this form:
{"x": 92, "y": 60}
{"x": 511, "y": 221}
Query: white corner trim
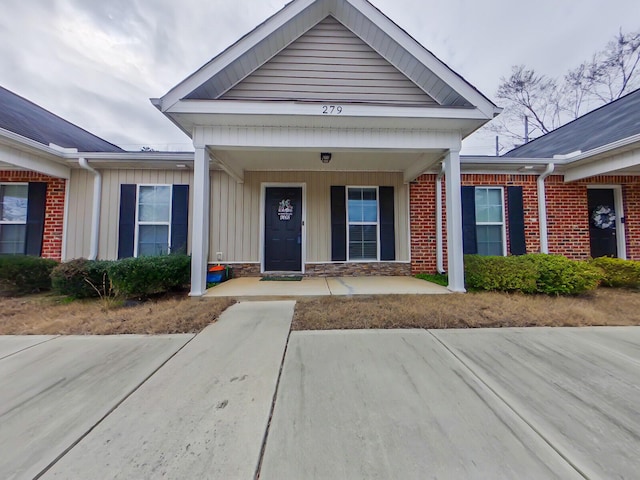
{"x": 95, "y": 215}
{"x": 542, "y": 208}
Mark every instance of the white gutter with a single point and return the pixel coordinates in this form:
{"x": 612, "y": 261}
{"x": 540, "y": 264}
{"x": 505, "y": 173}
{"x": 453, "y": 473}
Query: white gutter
{"x": 439, "y": 241}
{"x": 542, "y": 209}
{"x": 97, "y": 198}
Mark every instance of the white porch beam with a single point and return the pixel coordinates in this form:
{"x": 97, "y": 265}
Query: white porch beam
{"x": 424, "y": 163}
{"x": 27, "y": 161}
{"x": 200, "y": 232}
{"x": 455, "y": 251}
{"x": 221, "y": 159}
{"x": 605, "y": 166}
{"x": 325, "y": 138}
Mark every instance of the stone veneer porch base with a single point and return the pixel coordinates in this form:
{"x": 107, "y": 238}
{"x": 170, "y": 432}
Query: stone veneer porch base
{"x": 343, "y": 269}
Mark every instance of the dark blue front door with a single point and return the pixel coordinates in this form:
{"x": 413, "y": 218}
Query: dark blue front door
{"x": 283, "y": 229}
{"x": 602, "y": 225}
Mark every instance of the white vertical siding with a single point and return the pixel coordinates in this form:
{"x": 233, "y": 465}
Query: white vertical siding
{"x": 80, "y": 206}
{"x": 235, "y": 211}
{"x": 329, "y": 63}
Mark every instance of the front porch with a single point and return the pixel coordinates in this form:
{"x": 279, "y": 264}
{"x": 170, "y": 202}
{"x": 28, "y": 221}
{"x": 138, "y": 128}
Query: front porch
{"x": 252, "y": 287}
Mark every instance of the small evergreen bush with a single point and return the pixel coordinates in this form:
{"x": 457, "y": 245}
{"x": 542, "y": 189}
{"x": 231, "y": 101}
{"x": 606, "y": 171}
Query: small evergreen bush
{"x": 81, "y": 278}
{"x": 618, "y": 272}
{"x": 499, "y": 274}
{"x": 144, "y": 276}
{"x": 22, "y": 274}
{"x": 557, "y": 275}
{"x": 533, "y": 273}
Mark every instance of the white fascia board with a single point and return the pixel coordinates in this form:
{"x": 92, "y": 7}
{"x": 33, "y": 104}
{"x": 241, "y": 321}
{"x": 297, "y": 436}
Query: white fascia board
{"x": 232, "y": 53}
{"x": 225, "y": 107}
{"x": 30, "y": 161}
{"x": 134, "y": 156}
{"x": 608, "y": 148}
{"x": 481, "y": 160}
{"x": 427, "y": 58}
{"x": 603, "y": 166}
{"x": 24, "y": 143}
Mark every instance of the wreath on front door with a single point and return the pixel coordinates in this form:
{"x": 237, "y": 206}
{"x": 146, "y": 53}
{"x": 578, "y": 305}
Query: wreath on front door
{"x": 603, "y": 217}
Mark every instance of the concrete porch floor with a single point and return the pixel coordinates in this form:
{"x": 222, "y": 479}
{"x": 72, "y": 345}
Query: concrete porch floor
{"x": 320, "y": 286}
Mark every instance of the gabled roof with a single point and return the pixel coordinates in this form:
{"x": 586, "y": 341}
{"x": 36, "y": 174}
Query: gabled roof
{"x": 255, "y": 49}
{"x": 610, "y": 123}
{"x": 25, "y": 118}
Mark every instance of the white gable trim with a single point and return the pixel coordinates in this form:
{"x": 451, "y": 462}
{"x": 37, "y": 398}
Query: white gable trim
{"x": 232, "y": 53}
{"x": 337, "y": 8}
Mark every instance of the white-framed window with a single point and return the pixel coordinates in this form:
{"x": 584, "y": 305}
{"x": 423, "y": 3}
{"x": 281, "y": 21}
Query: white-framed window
{"x": 153, "y": 220}
{"x": 490, "y": 224}
{"x": 13, "y": 217}
{"x": 363, "y": 228}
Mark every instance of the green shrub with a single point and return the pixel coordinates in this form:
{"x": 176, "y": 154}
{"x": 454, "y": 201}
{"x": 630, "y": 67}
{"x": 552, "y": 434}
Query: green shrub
{"x": 21, "y": 274}
{"x": 534, "y": 273}
{"x": 81, "y": 278}
{"x": 557, "y": 275}
{"x": 618, "y": 272}
{"x": 143, "y": 276}
{"x": 502, "y": 274}
{"x": 437, "y": 278}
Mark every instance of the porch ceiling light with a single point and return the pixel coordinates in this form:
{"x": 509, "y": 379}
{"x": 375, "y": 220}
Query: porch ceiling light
{"x": 325, "y": 157}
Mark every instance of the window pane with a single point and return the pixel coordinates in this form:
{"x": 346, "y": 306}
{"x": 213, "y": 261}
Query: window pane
{"x": 153, "y": 240}
{"x": 482, "y": 213}
{"x": 12, "y": 239}
{"x": 363, "y": 242}
{"x": 13, "y": 203}
{"x": 494, "y": 196}
{"x": 489, "y": 239}
{"x": 362, "y": 205}
{"x": 494, "y": 213}
{"x": 155, "y": 204}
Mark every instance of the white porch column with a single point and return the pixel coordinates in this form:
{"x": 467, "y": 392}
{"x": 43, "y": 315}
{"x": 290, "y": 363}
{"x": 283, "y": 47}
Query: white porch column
{"x": 200, "y": 222}
{"x": 454, "y": 222}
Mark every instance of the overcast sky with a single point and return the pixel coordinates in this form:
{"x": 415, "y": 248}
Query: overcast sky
{"x": 96, "y": 63}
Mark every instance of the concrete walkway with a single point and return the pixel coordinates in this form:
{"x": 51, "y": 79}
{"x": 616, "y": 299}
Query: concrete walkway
{"x": 246, "y": 397}
{"x": 55, "y": 390}
{"x": 204, "y": 415}
{"x": 248, "y": 287}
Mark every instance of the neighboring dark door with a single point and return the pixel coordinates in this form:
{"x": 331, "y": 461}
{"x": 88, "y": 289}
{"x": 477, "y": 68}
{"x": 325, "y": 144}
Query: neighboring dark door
{"x": 283, "y": 229}
{"x": 602, "y": 225}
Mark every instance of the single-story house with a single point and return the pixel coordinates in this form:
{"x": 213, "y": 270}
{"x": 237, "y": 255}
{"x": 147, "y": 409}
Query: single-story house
{"x": 325, "y": 142}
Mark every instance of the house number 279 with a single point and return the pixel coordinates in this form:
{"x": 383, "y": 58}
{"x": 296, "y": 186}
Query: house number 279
{"x": 331, "y": 110}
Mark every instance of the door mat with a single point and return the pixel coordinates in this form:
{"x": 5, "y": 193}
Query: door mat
{"x": 292, "y": 278}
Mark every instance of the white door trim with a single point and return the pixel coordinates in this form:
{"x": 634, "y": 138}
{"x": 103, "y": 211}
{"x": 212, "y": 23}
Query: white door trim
{"x": 263, "y": 197}
{"x": 621, "y": 237}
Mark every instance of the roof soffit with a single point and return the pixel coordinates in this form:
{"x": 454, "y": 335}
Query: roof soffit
{"x": 364, "y": 20}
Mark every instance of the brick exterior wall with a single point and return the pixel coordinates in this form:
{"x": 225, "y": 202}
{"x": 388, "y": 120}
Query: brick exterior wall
{"x": 567, "y": 214}
{"x": 54, "y": 214}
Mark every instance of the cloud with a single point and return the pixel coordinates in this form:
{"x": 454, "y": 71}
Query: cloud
{"x": 96, "y": 63}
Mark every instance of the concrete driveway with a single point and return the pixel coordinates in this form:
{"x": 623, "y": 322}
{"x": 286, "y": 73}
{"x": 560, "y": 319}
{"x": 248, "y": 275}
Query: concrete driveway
{"x": 246, "y": 397}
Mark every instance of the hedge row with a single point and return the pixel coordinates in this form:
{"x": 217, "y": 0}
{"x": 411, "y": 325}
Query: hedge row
{"x": 534, "y": 273}
{"x": 618, "y": 272}
{"x": 130, "y": 277}
{"x": 22, "y": 275}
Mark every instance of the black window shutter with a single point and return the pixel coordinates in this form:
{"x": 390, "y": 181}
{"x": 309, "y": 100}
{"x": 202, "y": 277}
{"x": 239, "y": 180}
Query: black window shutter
{"x": 179, "y": 218}
{"x": 469, "y": 240}
{"x": 387, "y": 224}
{"x": 338, "y": 224}
{"x": 518, "y": 245}
{"x": 127, "y": 224}
{"x": 36, "y": 206}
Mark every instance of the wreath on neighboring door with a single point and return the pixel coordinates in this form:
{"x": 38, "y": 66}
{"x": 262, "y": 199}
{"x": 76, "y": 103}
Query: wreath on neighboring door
{"x": 603, "y": 217}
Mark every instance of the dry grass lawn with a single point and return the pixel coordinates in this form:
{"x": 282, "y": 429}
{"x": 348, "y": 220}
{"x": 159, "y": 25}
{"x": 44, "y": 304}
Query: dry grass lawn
{"x": 50, "y": 315}
{"x": 472, "y": 310}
